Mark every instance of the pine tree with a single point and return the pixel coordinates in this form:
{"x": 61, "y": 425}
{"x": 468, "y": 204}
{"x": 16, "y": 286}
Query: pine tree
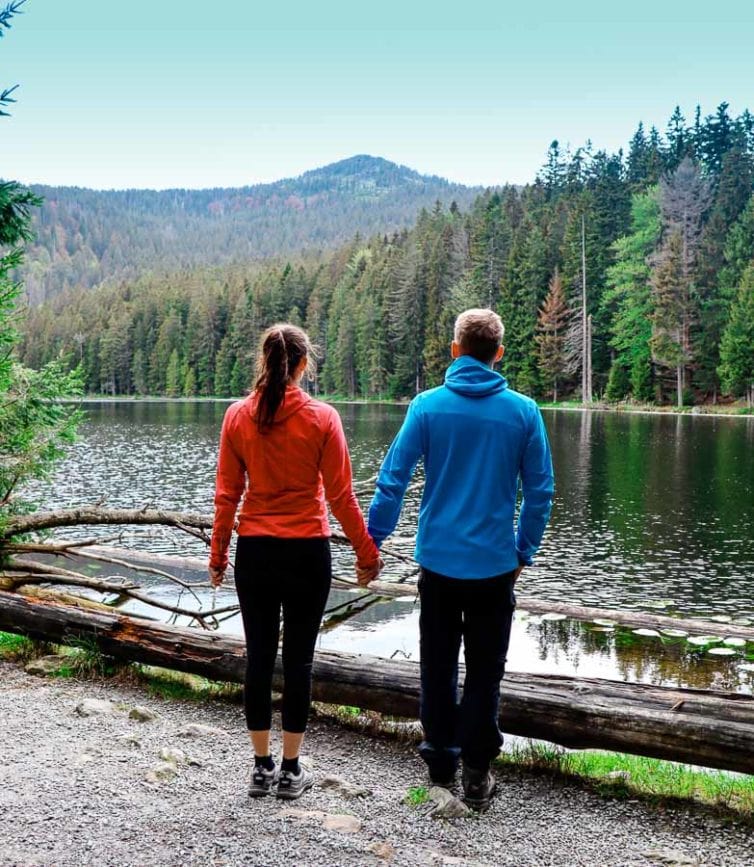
{"x": 737, "y": 345}
{"x": 670, "y": 302}
{"x": 627, "y": 301}
{"x": 551, "y": 325}
{"x": 173, "y": 375}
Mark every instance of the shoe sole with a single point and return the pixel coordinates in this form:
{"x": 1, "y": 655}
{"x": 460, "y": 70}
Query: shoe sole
{"x": 259, "y": 793}
{"x": 292, "y": 796}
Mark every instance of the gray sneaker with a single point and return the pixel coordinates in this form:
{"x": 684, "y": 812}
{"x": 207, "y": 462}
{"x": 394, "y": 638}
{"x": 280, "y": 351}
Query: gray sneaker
{"x": 292, "y": 786}
{"x": 262, "y": 781}
{"x": 478, "y": 788}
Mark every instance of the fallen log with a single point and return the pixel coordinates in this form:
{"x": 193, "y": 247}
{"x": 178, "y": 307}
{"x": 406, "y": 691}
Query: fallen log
{"x": 713, "y": 729}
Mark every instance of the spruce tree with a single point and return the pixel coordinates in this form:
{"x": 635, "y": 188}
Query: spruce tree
{"x": 737, "y": 345}
{"x": 551, "y": 326}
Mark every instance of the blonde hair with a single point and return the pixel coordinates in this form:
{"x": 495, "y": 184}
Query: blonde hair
{"x": 479, "y": 332}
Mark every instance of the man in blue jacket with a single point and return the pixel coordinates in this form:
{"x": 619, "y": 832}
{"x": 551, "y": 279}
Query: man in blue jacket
{"x": 477, "y": 439}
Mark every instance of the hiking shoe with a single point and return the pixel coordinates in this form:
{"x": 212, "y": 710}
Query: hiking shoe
{"x": 262, "y": 781}
{"x": 444, "y": 782}
{"x": 478, "y": 788}
{"x": 292, "y": 786}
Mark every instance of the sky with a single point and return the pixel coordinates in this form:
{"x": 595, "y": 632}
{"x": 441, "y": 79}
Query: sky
{"x": 178, "y": 93}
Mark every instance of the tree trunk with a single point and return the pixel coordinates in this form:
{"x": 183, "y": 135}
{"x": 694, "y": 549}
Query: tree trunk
{"x": 713, "y": 729}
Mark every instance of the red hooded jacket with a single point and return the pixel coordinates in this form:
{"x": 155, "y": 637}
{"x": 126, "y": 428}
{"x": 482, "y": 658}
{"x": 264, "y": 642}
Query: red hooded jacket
{"x": 290, "y": 470}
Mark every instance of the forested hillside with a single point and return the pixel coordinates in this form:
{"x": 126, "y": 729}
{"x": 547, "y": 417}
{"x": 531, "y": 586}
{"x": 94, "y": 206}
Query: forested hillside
{"x": 659, "y": 239}
{"x": 86, "y": 236}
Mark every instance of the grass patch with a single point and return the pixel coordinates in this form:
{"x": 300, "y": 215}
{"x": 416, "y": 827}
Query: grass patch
{"x": 622, "y": 775}
{"x": 416, "y": 796}
{"x": 185, "y": 687}
{"x": 18, "y": 648}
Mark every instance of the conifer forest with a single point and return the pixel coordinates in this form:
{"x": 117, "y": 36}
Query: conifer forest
{"x": 619, "y": 276}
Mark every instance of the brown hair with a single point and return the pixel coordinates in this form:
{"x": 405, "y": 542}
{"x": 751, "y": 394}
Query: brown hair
{"x": 281, "y": 349}
{"x": 479, "y": 332}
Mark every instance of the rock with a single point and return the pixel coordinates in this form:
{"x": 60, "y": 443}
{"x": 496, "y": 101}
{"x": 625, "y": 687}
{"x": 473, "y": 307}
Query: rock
{"x": 446, "y": 805}
{"x": 383, "y": 850}
{"x": 197, "y": 730}
{"x": 343, "y": 822}
{"x": 142, "y": 714}
{"x": 95, "y": 707}
{"x": 670, "y": 857}
{"x": 46, "y": 665}
{"x": 173, "y": 756}
{"x": 162, "y": 773}
{"x": 618, "y": 775}
{"x": 341, "y": 787}
{"x": 130, "y": 741}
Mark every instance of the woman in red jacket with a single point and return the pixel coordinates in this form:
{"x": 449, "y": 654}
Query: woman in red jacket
{"x": 288, "y": 453}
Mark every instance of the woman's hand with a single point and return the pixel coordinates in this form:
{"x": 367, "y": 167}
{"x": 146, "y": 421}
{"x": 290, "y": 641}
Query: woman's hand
{"x": 216, "y": 576}
{"x": 367, "y": 574}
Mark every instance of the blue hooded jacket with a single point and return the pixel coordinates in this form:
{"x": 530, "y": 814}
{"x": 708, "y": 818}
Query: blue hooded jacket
{"x": 477, "y": 438}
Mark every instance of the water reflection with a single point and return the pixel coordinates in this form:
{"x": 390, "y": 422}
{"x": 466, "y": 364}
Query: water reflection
{"x": 647, "y": 508}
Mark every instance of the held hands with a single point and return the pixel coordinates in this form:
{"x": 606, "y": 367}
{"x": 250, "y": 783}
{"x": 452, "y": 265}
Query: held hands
{"x": 216, "y": 576}
{"x": 367, "y": 574}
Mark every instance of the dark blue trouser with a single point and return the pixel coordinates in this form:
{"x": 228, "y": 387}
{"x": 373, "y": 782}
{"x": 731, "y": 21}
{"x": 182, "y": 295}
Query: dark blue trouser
{"x": 480, "y": 611}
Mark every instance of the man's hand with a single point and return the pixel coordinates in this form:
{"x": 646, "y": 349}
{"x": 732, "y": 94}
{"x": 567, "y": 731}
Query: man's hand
{"x": 367, "y": 574}
{"x": 517, "y": 572}
{"x": 216, "y": 576}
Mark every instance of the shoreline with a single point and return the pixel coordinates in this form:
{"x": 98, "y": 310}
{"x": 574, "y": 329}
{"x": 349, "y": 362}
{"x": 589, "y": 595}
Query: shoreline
{"x": 700, "y": 410}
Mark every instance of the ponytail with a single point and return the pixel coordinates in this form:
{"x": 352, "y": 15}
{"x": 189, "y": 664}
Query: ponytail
{"x": 282, "y": 348}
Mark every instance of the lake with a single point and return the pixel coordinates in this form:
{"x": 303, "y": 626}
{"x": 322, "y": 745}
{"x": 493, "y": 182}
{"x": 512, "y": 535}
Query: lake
{"x": 652, "y": 512}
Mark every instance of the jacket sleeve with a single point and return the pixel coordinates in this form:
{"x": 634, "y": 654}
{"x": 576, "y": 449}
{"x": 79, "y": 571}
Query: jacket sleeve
{"x": 394, "y": 476}
{"x": 229, "y": 487}
{"x": 538, "y": 485}
{"x": 335, "y": 468}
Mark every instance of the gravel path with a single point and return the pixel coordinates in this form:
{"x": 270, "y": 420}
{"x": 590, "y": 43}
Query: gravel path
{"x": 80, "y": 790}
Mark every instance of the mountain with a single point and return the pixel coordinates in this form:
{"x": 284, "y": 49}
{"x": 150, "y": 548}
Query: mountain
{"x": 86, "y": 236}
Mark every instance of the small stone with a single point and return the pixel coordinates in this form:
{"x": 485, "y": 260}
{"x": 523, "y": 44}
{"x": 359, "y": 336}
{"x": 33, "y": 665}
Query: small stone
{"x": 618, "y": 775}
{"x": 142, "y": 714}
{"x": 670, "y": 857}
{"x": 130, "y": 741}
{"x": 95, "y": 707}
{"x": 46, "y": 665}
{"x": 446, "y": 805}
{"x": 341, "y": 787}
{"x": 162, "y": 773}
{"x": 173, "y": 756}
{"x": 343, "y": 822}
{"x": 383, "y": 850}
{"x": 197, "y": 730}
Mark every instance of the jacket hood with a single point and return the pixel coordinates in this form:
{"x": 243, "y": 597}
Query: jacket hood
{"x": 473, "y": 378}
{"x": 294, "y": 400}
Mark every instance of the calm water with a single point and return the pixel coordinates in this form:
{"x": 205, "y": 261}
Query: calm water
{"x": 651, "y": 511}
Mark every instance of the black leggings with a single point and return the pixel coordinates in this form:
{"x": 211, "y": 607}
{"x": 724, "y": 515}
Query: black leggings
{"x": 294, "y": 574}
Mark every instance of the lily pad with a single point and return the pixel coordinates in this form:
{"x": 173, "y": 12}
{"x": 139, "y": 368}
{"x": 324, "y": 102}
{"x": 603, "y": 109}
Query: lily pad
{"x": 601, "y": 629}
{"x": 703, "y": 640}
{"x": 603, "y": 621}
{"x": 553, "y": 615}
{"x": 721, "y": 618}
{"x": 659, "y": 603}
{"x": 746, "y": 666}
{"x": 734, "y": 642}
{"x": 741, "y": 621}
{"x": 722, "y": 651}
{"x": 674, "y": 633}
{"x": 650, "y": 633}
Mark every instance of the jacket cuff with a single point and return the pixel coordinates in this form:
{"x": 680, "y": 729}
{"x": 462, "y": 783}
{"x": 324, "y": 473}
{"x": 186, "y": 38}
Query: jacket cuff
{"x": 523, "y": 560}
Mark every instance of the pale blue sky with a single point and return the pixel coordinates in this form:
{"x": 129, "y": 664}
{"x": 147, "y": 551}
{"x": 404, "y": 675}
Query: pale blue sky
{"x": 182, "y": 93}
